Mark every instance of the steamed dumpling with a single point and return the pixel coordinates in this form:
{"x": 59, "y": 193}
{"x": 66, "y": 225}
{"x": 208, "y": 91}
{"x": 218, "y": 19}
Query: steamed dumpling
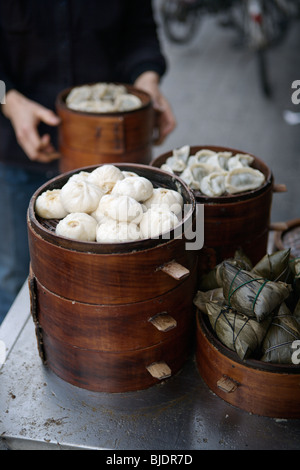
{"x": 112, "y": 231}
{"x": 78, "y": 94}
{"x": 176, "y": 163}
{"x": 188, "y": 177}
{"x": 243, "y": 179}
{"x": 199, "y": 170}
{"x": 105, "y": 177}
{"x": 157, "y": 221}
{"x": 121, "y": 208}
{"x": 80, "y": 196}
{"x": 49, "y": 206}
{"x": 240, "y": 160}
{"x": 78, "y": 226}
{"x": 167, "y": 198}
{"x": 219, "y": 160}
{"x": 182, "y": 152}
{"x": 213, "y": 184}
{"x": 127, "y": 102}
{"x": 137, "y": 187}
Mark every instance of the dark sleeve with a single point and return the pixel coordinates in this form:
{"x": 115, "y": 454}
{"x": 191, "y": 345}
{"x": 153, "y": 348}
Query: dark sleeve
{"x": 141, "y": 49}
{"x": 4, "y": 76}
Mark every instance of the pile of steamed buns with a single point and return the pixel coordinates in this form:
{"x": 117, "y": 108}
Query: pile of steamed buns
{"x": 108, "y": 205}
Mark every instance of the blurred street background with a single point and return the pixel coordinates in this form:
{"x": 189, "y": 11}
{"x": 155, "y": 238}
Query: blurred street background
{"x": 213, "y": 86}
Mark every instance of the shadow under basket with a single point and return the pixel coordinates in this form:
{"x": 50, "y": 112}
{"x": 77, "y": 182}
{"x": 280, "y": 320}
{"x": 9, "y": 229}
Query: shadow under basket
{"x": 261, "y": 388}
{"x": 112, "y": 317}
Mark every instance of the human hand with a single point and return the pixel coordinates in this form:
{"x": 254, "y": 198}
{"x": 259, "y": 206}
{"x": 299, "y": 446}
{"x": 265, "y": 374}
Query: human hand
{"x": 165, "y": 119}
{"x": 25, "y": 116}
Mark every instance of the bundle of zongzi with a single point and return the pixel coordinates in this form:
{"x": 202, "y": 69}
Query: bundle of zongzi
{"x": 295, "y": 268}
{"x": 202, "y": 298}
{"x": 238, "y": 332}
{"x": 274, "y": 267}
{"x": 252, "y": 295}
{"x": 284, "y": 330}
{"x": 213, "y": 279}
{"x": 297, "y": 311}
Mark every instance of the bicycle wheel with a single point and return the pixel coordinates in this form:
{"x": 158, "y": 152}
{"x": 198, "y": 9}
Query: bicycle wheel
{"x": 265, "y": 27}
{"x": 180, "y": 20}
{"x": 264, "y": 80}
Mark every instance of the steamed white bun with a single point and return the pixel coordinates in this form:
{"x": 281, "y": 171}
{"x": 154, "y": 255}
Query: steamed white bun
{"x": 157, "y": 221}
{"x": 137, "y": 187}
{"x": 113, "y": 231}
{"x": 167, "y": 198}
{"x": 105, "y": 177}
{"x": 78, "y": 226}
{"x": 80, "y": 196}
{"x": 121, "y": 208}
{"x": 48, "y": 205}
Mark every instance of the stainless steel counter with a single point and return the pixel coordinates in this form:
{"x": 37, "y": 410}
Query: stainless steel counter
{"x": 38, "y": 410}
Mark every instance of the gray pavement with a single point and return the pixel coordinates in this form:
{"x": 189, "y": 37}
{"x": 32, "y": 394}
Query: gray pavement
{"x": 214, "y": 90}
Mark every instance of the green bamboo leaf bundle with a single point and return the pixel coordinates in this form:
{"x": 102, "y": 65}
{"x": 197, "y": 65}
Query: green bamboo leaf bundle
{"x": 277, "y": 344}
{"x": 202, "y": 298}
{"x": 252, "y": 295}
{"x": 297, "y": 311}
{"x": 238, "y": 332}
{"x": 295, "y": 268}
{"x": 274, "y": 267}
{"x": 213, "y": 279}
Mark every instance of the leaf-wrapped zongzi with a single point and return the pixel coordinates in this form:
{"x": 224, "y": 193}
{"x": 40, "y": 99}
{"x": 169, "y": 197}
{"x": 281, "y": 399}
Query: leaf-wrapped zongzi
{"x": 213, "y": 279}
{"x": 252, "y": 295}
{"x": 202, "y": 298}
{"x": 238, "y": 332}
{"x": 277, "y": 344}
{"x": 274, "y": 267}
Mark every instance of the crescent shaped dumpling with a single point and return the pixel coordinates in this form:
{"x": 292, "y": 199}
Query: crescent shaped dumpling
{"x": 213, "y": 184}
{"x": 78, "y": 94}
{"x": 49, "y": 206}
{"x": 176, "y": 163}
{"x": 243, "y": 179}
{"x": 157, "y": 221}
{"x": 167, "y": 198}
{"x": 105, "y": 177}
{"x": 112, "y": 231}
{"x": 121, "y": 208}
{"x": 240, "y": 160}
{"x": 137, "y": 187}
{"x": 127, "y": 102}
{"x": 80, "y": 196}
{"x": 77, "y": 226}
{"x": 188, "y": 177}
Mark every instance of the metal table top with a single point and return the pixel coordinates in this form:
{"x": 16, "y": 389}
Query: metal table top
{"x": 38, "y": 410}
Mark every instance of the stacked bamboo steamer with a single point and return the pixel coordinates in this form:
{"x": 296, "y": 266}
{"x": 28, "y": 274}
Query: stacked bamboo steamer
{"x": 112, "y": 317}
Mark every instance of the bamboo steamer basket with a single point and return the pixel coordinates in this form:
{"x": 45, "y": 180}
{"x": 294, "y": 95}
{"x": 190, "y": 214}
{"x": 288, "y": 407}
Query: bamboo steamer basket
{"x": 287, "y": 235}
{"x": 254, "y": 386}
{"x": 92, "y": 138}
{"x": 112, "y": 317}
{"x": 231, "y": 222}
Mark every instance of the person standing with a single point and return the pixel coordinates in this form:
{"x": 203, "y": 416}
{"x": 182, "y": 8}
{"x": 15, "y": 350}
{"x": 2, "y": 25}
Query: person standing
{"x": 46, "y": 47}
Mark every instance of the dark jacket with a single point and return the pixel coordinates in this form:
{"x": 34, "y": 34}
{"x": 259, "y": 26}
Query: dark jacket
{"x": 49, "y": 45}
